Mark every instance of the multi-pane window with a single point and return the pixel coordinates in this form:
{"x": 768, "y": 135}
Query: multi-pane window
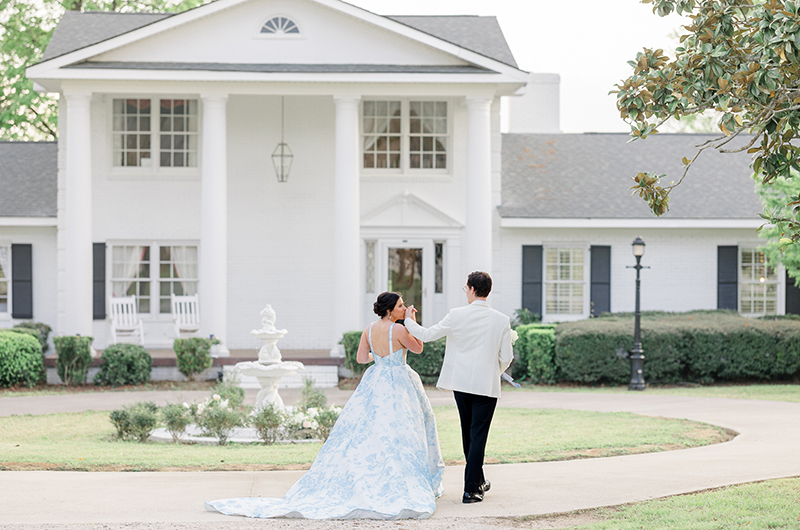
{"x": 404, "y": 135}
{"x": 143, "y": 132}
{"x": 131, "y": 130}
{"x": 177, "y": 274}
{"x": 428, "y": 134}
{"x": 382, "y": 134}
{"x": 130, "y": 274}
{"x": 5, "y": 277}
{"x": 564, "y": 281}
{"x": 178, "y": 124}
{"x": 139, "y": 270}
{"x": 758, "y": 284}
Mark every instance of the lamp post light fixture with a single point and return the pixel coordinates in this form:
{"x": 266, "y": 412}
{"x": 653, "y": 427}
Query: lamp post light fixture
{"x": 282, "y": 156}
{"x": 636, "y": 355}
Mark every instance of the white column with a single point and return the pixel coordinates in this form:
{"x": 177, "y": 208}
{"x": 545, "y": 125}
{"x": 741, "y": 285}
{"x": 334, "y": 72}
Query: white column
{"x": 78, "y": 216}
{"x": 478, "y": 255}
{"x": 213, "y": 266}
{"x": 346, "y": 220}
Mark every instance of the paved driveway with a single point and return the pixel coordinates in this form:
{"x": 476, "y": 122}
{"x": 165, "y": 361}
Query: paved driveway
{"x": 768, "y": 446}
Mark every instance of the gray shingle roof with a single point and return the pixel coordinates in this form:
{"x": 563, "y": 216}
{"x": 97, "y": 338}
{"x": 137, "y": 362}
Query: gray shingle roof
{"x": 287, "y": 68}
{"x": 78, "y": 30}
{"x": 479, "y": 34}
{"x": 588, "y": 176}
{"x": 28, "y": 172}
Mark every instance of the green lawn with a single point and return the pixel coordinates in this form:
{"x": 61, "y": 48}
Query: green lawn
{"x": 85, "y": 441}
{"x": 773, "y": 504}
{"x": 774, "y": 392}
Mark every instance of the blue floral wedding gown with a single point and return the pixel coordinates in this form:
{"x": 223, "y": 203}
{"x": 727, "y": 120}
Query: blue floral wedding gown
{"x": 381, "y": 460}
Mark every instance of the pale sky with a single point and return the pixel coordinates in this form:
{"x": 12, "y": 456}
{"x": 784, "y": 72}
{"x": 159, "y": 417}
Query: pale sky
{"x": 587, "y": 42}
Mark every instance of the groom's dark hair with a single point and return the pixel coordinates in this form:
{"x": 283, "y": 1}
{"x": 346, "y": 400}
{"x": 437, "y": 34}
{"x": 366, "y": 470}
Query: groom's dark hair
{"x": 481, "y": 282}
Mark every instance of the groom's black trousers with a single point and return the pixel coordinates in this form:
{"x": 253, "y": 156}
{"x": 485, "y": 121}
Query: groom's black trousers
{"x": 476, "y": 414}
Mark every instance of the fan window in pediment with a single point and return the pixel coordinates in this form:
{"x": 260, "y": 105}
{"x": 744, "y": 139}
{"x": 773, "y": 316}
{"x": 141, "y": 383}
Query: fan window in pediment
{"x": 280, "y": 26}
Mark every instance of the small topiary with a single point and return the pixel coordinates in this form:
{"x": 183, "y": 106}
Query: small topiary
{"x": 74, "y": 358}
{"x": 124, "y": 364}
{"x": 41, "y": 329}
{"x": 20, "y": 359}
{"x": 193, "y": 355}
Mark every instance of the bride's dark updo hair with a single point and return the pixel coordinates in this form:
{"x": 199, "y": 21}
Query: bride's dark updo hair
{"x": 385, "y": 303}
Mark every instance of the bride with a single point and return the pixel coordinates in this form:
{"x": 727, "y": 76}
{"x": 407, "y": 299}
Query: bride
{"x": 382, "y": 458}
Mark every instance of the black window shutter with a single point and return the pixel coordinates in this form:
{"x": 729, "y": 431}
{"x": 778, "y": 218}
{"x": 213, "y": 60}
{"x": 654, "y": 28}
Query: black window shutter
{"x": 99, "y": 281}
{"x": 727, "y": 277}
{"x": 22, "y": 281}
{"x": 600, "y": 294}
{"x": 792, "y": 297}
{"x": 532, "y": 278}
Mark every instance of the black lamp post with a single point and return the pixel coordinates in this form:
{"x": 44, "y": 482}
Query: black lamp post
{"x": 636, "y": 357}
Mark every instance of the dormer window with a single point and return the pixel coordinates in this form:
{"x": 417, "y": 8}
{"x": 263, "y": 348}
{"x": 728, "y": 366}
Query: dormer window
{"x": 280, "y": 26}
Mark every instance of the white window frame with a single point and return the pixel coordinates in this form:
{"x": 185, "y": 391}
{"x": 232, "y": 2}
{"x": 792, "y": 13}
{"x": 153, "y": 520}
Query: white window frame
{"x": 155, "y": 272}
{"x": 557, "y": 317}
{"x": 405, "y": 142}
{"x": 6, "y": 315}
{"x": 779, "y": 282}
{"x": 154, "y": 169}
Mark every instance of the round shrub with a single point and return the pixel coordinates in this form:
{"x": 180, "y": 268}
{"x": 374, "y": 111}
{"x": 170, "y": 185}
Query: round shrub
{"x": 124, "y": 364}
{"x": 74, "y": 358}
{"x": 20, "y": 359}
{"x": 136, "y": 421}
{"x": 193, "y": 355}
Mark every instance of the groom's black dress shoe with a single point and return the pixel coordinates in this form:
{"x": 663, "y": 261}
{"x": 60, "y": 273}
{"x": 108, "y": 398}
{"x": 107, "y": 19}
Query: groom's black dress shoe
{"x": 486, "y": 486}
{"x": 469, "y": 498}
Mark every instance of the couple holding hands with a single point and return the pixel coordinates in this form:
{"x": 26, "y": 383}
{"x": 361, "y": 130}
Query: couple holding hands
{"x": 382, "y": 458}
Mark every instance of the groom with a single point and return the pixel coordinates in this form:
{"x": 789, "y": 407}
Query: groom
{"x": 478, "y": 351}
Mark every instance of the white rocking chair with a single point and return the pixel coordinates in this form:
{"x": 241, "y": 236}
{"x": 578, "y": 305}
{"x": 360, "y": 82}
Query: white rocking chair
{"x": 185, "y": 314}
{"x": 125, "y": 321}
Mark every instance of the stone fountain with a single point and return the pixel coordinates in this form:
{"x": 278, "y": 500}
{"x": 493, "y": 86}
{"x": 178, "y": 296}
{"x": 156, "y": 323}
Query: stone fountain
{"x": 270, "y": 368}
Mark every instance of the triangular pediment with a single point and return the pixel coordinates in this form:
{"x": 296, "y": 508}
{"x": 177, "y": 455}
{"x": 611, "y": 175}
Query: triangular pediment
{"x": 409, "y": 211}
{"x": 317, "y": 34}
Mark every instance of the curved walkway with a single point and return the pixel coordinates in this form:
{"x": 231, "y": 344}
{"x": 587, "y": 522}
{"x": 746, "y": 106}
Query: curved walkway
{"x": 767, "y": 447}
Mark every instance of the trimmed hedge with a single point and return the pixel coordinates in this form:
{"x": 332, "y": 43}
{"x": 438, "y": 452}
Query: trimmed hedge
{"x": 699, "y": 346}
{"x": 42, "y": 330}
{"x": 20, "y": 359}
{"x": 534, "y": 352}
{"x": 427, "y": 364}
{"x": 124, "y": 364}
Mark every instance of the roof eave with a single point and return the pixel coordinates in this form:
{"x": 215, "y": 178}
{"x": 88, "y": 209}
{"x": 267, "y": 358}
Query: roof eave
{"x": 36, "y": 72}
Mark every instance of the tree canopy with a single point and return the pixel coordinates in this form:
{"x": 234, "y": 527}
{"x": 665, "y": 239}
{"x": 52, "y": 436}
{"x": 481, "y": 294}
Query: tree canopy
{"x": 25, "y": 29}
{"x": 740, "y": 58}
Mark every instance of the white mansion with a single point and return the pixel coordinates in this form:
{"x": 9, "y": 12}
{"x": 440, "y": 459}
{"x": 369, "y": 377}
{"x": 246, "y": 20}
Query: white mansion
{"x": 168, "y": 178}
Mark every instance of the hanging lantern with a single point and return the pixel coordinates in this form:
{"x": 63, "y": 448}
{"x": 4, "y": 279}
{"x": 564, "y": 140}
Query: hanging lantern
{"x": 282, "y": 160}
{"x": 282, "y": 156}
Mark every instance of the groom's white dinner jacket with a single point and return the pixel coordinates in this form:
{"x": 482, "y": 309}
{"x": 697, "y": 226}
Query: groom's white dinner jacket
{"x": 478, "y": 348}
